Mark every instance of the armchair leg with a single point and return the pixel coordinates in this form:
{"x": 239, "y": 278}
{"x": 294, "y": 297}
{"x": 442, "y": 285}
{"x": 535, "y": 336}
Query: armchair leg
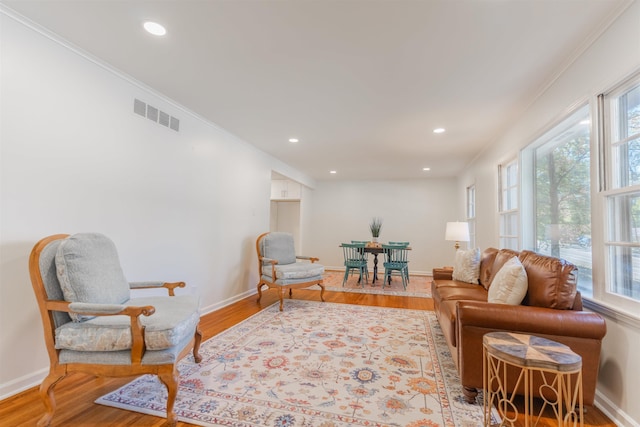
{"x": 170, "y": 380}
{"x": 260, "y": 285}
{"x": 321, "y": 291}
{"x": 46, "y": 392}
{"x": 196, "y": 345}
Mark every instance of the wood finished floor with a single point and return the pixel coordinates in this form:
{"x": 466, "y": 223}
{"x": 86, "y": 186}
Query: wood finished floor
{"x": 75, "y": 395}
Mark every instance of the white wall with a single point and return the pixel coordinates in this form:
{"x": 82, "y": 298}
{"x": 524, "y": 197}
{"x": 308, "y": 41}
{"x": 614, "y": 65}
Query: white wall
{"x": 182, "y": 205}
{"x": 610, "y": 59}
{"x": 413, "y": 210}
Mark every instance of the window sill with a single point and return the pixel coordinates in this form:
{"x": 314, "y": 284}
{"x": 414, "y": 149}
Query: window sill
{"x": 612, "y": 313}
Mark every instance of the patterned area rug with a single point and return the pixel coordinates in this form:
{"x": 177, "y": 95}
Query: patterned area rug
{"x": 316, "y": 364}
{"x": 418, "y": 286}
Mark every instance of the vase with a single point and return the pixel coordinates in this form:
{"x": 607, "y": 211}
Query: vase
{"x": 374, "y": 239}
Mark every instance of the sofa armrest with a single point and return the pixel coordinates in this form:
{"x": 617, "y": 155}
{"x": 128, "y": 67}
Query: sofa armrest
{"x": 443, "y": 273}
{"x": 531, "y": 320}
{"x": 582, "y": 331}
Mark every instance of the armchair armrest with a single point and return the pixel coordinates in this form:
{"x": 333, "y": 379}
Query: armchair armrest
{"x": 134, "y": 313}
{"x": 171, "y": 286}
{"x": 308, "y": 258}
{"x": 92, "y": 309}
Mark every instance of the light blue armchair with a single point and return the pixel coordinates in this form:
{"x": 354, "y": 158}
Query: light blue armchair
{"x": 279, "y": 267}
{"x": 92, "y": 325}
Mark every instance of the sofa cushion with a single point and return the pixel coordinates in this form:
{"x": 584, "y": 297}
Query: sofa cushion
{"x": 502, "y": 256}
{"x": 89, "y": 271}
{"x": 510, "y": 284}
{"x": 467, "y": 265}
{"x": 552, "y": 281}
{"x": 487, "y": 259}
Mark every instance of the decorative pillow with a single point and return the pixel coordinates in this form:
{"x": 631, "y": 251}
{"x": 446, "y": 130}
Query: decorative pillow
{"x": 509, "y": 286}
{"x": 467, "y": 266}
{"x": 89, "y": 271}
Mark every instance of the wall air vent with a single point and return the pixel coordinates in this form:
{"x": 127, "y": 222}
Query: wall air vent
{"x": 143, "y": 109}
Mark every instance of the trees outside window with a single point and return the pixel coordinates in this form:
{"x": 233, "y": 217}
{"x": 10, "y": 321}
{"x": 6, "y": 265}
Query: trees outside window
{"x": 562, "y": 194}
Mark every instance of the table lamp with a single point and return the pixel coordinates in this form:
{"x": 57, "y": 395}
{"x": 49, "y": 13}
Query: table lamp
{"x": 458, "y": 232}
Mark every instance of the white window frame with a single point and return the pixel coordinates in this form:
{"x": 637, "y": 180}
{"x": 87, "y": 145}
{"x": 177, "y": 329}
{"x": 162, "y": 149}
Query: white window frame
{"x": 529, "y": 180}
{"x": 610, "y": 190}
{"x": 471, "y": 214}
{"x": 506, "y": 209}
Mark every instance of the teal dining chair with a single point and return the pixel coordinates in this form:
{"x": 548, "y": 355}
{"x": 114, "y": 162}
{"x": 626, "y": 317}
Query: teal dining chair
{"x": 406, "y": 244}
{"x": 355, "y": 258}
{"x": 396, "y": 260}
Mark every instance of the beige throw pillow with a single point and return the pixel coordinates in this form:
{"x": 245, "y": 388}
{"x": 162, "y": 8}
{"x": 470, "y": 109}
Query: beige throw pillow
{"x": 467, "y": 266}
{"x": 509, "y": 286}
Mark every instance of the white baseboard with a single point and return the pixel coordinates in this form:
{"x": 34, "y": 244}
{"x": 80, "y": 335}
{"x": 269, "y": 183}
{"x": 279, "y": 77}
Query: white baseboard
{"x": 23, "y": 383}
{"x": 617, "y": 415}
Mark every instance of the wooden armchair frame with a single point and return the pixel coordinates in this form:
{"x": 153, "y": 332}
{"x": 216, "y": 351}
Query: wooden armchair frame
{"x": 167, "y": 373}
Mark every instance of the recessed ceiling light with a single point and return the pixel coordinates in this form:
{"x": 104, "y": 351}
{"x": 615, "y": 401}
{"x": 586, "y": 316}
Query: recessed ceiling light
{"x": 155, "y": 28}
{"x": 293, "y": 140}
{"x": 438, "y": 130}
{"x": 334, "y": 172}
{"x": 426, "y": 169}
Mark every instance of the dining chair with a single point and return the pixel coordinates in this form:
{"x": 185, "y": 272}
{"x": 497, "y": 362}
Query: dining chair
{"x": 406, "y": 244}
{"x": 396, "y": 260}
{"x": 355, "y": 258}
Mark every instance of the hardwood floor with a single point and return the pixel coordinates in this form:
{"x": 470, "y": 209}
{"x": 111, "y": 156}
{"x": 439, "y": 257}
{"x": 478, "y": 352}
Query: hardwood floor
{"x": 75, "y": 394}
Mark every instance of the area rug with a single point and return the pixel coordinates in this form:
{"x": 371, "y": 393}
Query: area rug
{"x": 316, "y": 364}
{"x": 418, "y": 286}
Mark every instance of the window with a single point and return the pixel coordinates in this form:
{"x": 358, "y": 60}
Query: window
{"x": 622, "y": 194}
{"x": 508, "y": 209}
{"x": 561, "y": 189}
{"x": 471, "y": 214}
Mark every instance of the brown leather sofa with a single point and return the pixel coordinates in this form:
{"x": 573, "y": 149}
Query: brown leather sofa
{"x": 552, "y": 309}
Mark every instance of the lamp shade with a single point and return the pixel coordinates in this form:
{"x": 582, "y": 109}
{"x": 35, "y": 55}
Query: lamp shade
{"x": 457, "y": 231}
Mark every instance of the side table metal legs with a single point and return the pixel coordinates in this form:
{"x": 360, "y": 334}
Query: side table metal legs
{"x": 559, "y": 388}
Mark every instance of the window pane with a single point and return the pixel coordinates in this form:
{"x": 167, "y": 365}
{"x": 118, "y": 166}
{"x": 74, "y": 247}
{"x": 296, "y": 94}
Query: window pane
{"x": 630, "y": 106}
{"x": 625, "y": 271}
{"x": 563, "y": 195}
{"x": 625, "y": 210}
{"x": 627, "y": 159}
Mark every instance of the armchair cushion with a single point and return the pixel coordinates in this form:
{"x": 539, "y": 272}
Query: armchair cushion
{"x": 174, "y": 319}
{"x": 279, "y": 246}
{"x": 297, "y": 270}
{"x": 78, "y": 258}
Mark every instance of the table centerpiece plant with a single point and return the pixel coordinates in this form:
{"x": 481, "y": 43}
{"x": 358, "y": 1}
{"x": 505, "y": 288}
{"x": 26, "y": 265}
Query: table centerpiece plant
{"x": 375, "y": 226}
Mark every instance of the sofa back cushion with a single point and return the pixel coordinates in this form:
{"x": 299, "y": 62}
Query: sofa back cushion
{"x": 502, "y": 256}
{"x": 552, "y": 281}
{"x": 486, "y": 264}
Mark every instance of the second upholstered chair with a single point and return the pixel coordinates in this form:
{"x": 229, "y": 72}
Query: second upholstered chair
{"x": 279, "y": 266}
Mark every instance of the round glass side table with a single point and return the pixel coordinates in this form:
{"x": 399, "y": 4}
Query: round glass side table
{"x": 558, "y": 371}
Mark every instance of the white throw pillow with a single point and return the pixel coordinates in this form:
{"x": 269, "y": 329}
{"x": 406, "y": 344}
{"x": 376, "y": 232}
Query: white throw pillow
{"x": 467, "y": 266}
{"x": 510, "y": 284}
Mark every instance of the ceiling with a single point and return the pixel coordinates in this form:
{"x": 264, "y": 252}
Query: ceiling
{"x": 361, "y": 84}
